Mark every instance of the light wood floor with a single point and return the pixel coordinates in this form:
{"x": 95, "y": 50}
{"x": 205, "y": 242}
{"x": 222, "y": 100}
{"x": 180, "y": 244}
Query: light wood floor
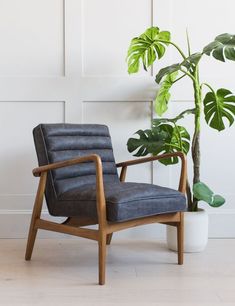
{"x": 64, "y": 272}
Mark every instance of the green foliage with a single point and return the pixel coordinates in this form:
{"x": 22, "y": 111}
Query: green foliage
{"x": 223, "y": 47}
{"x": 180, "y": 116}
{"x": 149, "y": 141}
{"x": 166, "y": 71}
{"x": 217, "y": 106}
{"x": 163, "y": 138}
{"x": 163, "y": 95}
{"x": 202, "y": 192}
{"x": 166, "y": 136}
{"x": 148, "y": 47}
{"x": 177, "y": 140}
{"x": 189, "y": 63}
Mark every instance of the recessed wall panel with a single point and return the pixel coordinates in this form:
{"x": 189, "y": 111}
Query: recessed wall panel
{"x": 32, "y": 38}
{"x": 108, "y": 27}
{"x": 17, "y": 154}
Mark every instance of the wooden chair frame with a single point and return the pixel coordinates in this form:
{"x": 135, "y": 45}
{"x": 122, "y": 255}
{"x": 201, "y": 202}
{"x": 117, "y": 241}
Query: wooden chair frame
{"x": 105, "y": 229}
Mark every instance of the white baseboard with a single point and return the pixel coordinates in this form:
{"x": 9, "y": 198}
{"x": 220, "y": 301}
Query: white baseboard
{"x": 15, "y": 224}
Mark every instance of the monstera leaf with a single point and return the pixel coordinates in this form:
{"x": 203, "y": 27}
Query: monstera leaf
{"x": 146, "y": 48}
{"x": 148, "y": 142}
{"x": 202, "y": 192}
{"x": 163, "y": 138}
{"x": 189, "y": 63}
{"x": 218, "y": 106}
{"x": 166, "y": 71}
{"x": 223, "y": 47}
{"x": 177, "y": 140}
{"x": 163, "y": 95}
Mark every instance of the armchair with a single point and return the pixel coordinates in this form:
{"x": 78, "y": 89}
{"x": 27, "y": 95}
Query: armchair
{"x": 79, "y": 178}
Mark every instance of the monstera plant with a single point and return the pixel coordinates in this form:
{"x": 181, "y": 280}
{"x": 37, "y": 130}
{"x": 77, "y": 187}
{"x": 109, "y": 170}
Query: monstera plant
{"x": 216, "y": 106}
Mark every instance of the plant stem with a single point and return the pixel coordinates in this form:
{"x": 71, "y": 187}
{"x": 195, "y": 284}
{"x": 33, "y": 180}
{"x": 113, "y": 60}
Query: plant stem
{"x": 189, "y": 196}
{"x": 196, "y": 136}
{"x": 181, "y": 115}
{"x": 181, "y": 77}
{"x": 188, "y": 74}
{"x": 207, "y": 85}
{"x": 188, "y": 43}
{"x": 173, "y": 44}
{"x": 178, "y": 48}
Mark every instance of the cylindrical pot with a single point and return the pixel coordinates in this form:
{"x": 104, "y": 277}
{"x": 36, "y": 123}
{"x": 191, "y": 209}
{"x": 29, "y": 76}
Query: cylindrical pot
{"x": 195, "y": 232}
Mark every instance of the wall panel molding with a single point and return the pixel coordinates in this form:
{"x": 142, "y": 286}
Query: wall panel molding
{"x": 15, "y": 223}
{"x": 73, "y": 70}
{"x": 34, "y": 44}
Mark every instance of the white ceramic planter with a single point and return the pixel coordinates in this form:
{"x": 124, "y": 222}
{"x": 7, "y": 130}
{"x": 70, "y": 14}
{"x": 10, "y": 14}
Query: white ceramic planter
{"x": 195, "y": 232}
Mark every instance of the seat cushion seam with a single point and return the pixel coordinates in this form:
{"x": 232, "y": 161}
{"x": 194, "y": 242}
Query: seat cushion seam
{"x": 120, "y": 203}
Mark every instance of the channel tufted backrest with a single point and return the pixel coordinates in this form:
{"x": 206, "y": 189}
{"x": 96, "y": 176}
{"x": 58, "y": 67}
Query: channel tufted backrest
{"x": 58, "y": 142}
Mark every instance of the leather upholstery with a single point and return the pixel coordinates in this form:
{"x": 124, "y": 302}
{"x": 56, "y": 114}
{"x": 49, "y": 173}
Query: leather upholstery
{"x": 71, "y": 191}
{"x": 125, "y": 201}
{"x": 58, "y": 142}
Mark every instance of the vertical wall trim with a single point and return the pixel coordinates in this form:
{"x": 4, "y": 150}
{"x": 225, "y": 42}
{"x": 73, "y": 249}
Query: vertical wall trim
{"x": 64, "y": 43}
{"x": 152, "y": 102}
{"x": 152, "y": 163}
{"x": 152, "y": 7}
{"x": 151, "y": 22}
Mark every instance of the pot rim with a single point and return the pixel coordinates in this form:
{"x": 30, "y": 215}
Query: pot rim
{"x": 199, "y": 211}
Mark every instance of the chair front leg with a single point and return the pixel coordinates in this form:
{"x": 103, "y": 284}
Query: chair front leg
{"x": 102, "y": 257}
{"x": 102, "y": 220}
{"x": 35, "y": 215}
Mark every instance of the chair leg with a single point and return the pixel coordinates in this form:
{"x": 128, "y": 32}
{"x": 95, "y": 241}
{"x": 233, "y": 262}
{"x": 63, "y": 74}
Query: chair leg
{"x": 109, "y": 238}
{"x": 35, "y": 215}
{"x": 180, "y": 239}
{"x": 102, "y": 258}
{"x": 30, "y": 243}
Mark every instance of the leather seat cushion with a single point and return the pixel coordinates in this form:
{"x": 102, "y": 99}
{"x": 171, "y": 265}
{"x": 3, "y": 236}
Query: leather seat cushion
{"x": 124, "y": 201}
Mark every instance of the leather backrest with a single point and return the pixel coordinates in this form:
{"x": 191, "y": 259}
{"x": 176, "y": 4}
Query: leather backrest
{"x": 59, "y": 142}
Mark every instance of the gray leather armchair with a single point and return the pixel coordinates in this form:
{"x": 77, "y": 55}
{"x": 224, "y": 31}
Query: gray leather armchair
{"x": 79, "y": 178}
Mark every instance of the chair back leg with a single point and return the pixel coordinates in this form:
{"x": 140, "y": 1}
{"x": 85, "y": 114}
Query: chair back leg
{"x": 109, "y": 238}
{"x": 180, "y": 239}
{"x": 35, "y": 215}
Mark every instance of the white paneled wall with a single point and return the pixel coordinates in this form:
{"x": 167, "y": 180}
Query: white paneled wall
{"x": 64, "y": 61}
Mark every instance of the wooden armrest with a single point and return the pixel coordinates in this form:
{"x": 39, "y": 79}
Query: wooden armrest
{"x": 183, "y": 175}
{"x": 93, "y": 157}
{"x": 100, "y": 197}
{"x": 150, "y": 158}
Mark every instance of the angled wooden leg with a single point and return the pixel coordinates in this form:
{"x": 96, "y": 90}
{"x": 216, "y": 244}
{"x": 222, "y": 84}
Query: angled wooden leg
{"x": 102, "y": 258}
{"x": 35, "y": 215}
{"x": 109, "y": 238}
{"x": 180, "y": 239}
